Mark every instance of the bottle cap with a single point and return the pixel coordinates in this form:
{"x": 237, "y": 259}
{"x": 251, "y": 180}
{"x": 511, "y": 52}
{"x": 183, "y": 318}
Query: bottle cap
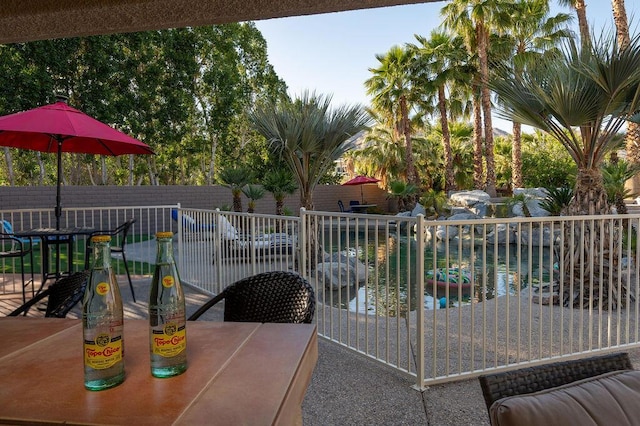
{"x": 101, "y": 238}
{"x": 164, "y": 234}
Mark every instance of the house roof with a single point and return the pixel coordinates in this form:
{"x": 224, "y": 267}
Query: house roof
{"x": 29, "y": 20}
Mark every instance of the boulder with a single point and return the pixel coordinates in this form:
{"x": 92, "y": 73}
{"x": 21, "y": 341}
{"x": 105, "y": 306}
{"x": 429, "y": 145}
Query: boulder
{"x": 503, "y": 233}
{"x": 534, "y": 236}
{"x": 339, "y": 270}
{"x": 418, "y": 209}
{"x": 533, "y": 205}
{"x": 468, "y": 198}
{"x": 539, "y": 193}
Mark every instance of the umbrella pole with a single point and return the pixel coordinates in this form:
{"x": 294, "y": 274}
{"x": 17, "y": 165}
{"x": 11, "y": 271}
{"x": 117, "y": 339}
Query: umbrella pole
{"x": 58, "y": 210}
{"x": 362, "y": 194}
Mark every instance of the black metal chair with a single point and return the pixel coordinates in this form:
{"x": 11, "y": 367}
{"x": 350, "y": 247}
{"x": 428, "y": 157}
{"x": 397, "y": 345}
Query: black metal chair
{"x": 534, "y": 379}
{"x": 123, "y": 231}
{"x": 283, "y": 297}
{"x": 62, "y": 295}
{"x": 12, "y": 247}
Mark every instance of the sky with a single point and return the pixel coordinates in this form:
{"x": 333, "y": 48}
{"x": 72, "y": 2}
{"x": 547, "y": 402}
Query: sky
{"x": 332, "y": 53}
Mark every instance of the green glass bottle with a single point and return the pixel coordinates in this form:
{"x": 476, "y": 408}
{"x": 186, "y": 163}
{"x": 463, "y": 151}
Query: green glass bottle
{"x": 102, "y": 322}
{"x": 167, "y": 314}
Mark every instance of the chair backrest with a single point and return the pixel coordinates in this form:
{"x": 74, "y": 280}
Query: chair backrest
{"x": 6, "y": 227}
{"x": 62, "y": 295}
{"x": 341, "y": 206}
{"x": 354, "y": 203}
{"x": 66, "y": 293}
{"x": 278, "y": 296}
{"x": 537, "y": 378}
{"x": 124, "y": 229}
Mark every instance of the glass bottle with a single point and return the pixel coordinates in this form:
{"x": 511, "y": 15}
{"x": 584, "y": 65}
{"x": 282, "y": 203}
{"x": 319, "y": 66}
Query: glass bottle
{"x": 167, "y": 314}
{"x": 102, "y": 322}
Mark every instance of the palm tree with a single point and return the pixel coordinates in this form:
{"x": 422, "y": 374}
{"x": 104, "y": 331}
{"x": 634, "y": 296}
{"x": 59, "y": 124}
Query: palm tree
{"x": 474, "y": 20}
{"x": 441, "y": 60}
{"x": 309, "y": 136}
{"x": 280, "y": 182}
{"x": 235, "y": 178}
{"x": 583, "y": 99}
{"x": 535, "y": 34}
{"x": 253, "y": 193}
{"x": 393, "y": 92}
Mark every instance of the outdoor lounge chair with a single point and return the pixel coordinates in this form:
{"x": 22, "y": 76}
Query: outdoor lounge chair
{"x": 600, "y": 390}
{"x": 276, "y": 296}
{"x": 62, "y": 295}
{"x": 189, "y": 224}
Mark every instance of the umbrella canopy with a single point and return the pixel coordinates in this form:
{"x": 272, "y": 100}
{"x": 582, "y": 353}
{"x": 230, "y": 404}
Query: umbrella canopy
{"x": 361, "y": 180}
{"x": 59, "y": 128}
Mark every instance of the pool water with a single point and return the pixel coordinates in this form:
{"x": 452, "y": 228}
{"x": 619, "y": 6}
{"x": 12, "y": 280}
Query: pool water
{"x": 391, "y": 261}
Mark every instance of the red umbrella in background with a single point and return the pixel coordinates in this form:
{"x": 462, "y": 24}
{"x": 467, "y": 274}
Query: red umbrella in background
{"x": 361, "y": 180}
{"x": 59, "y": 128}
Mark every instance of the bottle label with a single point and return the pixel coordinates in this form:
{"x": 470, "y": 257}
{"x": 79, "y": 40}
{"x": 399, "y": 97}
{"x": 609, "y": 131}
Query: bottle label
{"x": 102, "y": 288}
{"x": 103, "y": 352}
{"x": 169, "y": 341}
{"x": 168, "y": 281}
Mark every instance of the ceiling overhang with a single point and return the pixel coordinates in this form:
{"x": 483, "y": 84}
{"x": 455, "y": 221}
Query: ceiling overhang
{"x": 29, "y": 20}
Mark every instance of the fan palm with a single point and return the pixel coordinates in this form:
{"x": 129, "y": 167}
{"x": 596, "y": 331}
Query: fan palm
{"x": 582, "y": 99}
{"x": 235, "y": 178}
{"x": 309, "y": 136}
{"x": 394, "y": 92}
{"x": 280, "y": 182}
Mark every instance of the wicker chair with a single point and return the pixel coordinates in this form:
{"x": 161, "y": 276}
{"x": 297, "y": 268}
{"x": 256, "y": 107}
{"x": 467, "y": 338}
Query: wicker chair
{"x": 283, "y": 297}
{"x": 63, "y": 295}
{"x": 538, "y": 378}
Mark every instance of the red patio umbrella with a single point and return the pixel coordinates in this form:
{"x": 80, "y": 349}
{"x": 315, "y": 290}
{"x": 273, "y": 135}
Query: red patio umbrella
{"x": 361, "y": 180}
{"x": 59, "y": 128}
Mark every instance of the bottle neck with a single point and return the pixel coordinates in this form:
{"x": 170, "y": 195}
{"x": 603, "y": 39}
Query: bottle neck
{"x": 165, "y": 251}
{"x": 101, "y": 255}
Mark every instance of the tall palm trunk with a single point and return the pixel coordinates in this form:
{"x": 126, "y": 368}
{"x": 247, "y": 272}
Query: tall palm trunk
{"x": 406, "y": 130}
{"x": 516, "y": 156}
{"x": 583, "y": 24}
{"x": 483, "y": 48}
{"x": 632, "y": 138}
{"x": 450, "y": 181}
{"x": 477, "y": 144}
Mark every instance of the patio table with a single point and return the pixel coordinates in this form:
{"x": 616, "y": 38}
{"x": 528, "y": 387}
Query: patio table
{"x": 361, "y": 208}
{"x": 238, "y": 373}
{"x": 55, "y": 237}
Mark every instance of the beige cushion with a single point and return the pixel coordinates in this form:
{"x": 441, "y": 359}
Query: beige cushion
{"x": 609, "y": 399}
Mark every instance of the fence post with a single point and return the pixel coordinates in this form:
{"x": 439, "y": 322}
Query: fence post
{"x": 217, "y": 248}
{"x": 303, "y": 242}
{"x": 420, "y": 314}
{"x": 180, "y": 246}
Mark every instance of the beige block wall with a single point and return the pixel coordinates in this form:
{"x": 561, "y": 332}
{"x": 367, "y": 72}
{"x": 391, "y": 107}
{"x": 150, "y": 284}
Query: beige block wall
{"x": 202, "y": 197}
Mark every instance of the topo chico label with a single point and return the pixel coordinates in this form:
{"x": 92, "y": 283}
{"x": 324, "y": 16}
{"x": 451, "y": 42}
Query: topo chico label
{"x": 104, "y": 352}
{"x": 169, "y": 341}
{"x": 168, "y": 281}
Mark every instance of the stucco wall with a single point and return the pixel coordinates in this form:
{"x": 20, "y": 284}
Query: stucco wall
{"x": 205, "y": 197}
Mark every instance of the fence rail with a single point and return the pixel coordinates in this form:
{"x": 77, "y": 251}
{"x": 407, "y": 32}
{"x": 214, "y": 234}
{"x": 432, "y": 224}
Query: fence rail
{"x": 436, "y": 300}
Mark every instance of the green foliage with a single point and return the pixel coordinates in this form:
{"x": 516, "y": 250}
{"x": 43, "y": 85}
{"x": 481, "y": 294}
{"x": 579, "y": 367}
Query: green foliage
{"x": 557, "y": 200}
{"x": 182, "y": 91}
{"x": 546, "y": 163}
{"x": 435, "y": 202}
{"x": 403, "y": 192}
{"x": 614, "y": 177}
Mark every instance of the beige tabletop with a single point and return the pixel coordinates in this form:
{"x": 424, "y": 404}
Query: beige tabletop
{"x": 238, "y": 374}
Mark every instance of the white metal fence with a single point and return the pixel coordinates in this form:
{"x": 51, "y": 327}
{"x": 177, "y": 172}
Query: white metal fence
{"x": 436, "y": 300}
